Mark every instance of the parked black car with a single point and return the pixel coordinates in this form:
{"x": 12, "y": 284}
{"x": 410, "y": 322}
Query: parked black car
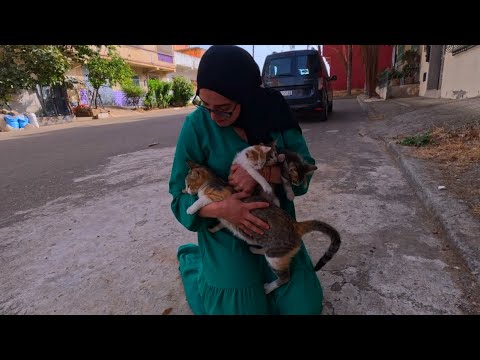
{"x": 302, "y": 78}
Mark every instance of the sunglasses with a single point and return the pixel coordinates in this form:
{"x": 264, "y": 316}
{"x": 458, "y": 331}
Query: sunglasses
{"x": 218, "y": 113}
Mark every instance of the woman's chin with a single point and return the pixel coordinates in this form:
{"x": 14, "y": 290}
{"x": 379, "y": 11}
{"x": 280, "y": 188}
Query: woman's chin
{"x": 222, "y": 123}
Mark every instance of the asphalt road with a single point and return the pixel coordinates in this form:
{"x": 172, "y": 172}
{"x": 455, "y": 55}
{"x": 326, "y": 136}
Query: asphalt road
{"x": 40, "y": 167}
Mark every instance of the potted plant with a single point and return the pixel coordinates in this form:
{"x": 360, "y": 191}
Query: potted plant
{"x": 384, "y": 77}
{"x": 389, "y": 76}
{"x": 409, "y": 71}
{"x": 411, "y": 65}
{"x": 394, "y": 77}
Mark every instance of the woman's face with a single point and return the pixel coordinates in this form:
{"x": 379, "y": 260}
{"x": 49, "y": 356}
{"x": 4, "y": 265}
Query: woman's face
{"x": 220, "y": 107}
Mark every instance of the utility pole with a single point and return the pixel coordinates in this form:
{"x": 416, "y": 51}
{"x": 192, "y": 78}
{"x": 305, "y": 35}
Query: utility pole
{"x": 253, "y": 51}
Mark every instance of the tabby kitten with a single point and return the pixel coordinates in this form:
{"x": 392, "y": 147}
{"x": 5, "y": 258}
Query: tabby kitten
{"x": 294, "y": 169}
{"x": 279, "y": 244}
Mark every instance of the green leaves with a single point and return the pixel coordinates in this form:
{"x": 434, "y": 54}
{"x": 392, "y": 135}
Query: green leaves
{"x": 104, "y": 71}
{"x": 417, "y": 140}
{"x": 182, "y": 90}
{"x": 25, "y": 66}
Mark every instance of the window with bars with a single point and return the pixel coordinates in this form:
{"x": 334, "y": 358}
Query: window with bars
{"x": 456, "y": 49}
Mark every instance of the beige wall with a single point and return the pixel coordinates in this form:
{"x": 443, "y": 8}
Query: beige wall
{"x": 186, "y": 73}
{"x": 143, "y": 75}
{"x": 461, "y": 74}
{"x": 26, "y": 101}
{"x": 146, "y": 55}
{"x": 423, "y": 69}
{"x": 76, "y": 72}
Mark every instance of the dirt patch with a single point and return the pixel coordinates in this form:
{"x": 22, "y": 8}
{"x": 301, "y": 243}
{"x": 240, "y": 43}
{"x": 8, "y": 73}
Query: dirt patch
{"x": 457, "y": 153}
{"x": 457, "y": 147}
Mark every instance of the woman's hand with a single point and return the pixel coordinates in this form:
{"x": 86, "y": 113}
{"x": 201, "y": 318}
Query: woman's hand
{"x": 237, "y": 213}
{"x": 241, "y": 180}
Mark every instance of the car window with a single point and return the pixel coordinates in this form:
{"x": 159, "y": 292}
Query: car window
{"x": 280, "y": 67}
{"x": 300, "y": 65}
{"x": 305, "y": 64}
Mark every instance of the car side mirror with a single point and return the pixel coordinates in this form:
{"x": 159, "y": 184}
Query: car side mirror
{"x": 334, "y": 77}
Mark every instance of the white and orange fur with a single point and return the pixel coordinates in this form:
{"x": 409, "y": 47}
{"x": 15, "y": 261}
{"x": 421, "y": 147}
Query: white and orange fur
{"x": 252, "y": 159}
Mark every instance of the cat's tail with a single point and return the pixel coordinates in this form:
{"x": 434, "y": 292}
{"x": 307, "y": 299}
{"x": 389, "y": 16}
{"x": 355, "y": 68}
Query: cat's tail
{"x": 304, "y": 227}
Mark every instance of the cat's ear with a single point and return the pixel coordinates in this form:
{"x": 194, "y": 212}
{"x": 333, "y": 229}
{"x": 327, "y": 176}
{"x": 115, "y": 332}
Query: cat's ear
{"x": 191, "y": 164}
{"x": 309, "y": 169}
{"x": 265, "y": 149}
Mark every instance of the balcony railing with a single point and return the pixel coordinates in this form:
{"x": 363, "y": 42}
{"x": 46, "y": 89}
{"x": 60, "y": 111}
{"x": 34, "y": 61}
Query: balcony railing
{"x": 455, "y": 49}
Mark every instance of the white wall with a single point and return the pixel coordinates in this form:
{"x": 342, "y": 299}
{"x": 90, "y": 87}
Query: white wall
{"x": 26, "y": 101}
{"x": 424, "y": 66}
{"x": 461, "y": 74}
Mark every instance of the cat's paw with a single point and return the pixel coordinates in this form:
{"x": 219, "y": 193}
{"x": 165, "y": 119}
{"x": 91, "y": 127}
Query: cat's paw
{"x": 268, "y": 190}
{"x": 191, "y": 210}
{"x": 256, "y": 250}
{"x": 290, "y": 195}
{"x": 281, "y": 158}
{"x": 269, "y": 287}
{"x": 276, "y": 201}
{"x": 215, "y": 228}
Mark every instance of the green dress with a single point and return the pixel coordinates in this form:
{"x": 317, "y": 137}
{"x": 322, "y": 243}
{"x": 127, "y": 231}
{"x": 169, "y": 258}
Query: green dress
{"x": 220, "y": 275}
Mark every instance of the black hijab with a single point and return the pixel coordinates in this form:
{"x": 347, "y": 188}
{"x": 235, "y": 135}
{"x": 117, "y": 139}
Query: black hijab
{"x": 232, "y": 72}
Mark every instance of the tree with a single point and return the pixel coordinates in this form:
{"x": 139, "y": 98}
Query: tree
{"x": 370, "y": 61}
{"x": 12, "y": 76}
{"x": 107, "y": 71}
{"x": 345, "y": 55}
{"x": 29, "y": 67}
{"x": 349, "y": 70}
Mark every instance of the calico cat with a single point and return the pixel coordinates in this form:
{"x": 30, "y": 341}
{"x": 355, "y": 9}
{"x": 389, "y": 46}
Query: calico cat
{"x": 209, "y": 187}
{"x": 279, "y": 244}
{"x": 254, "y": 158}
{"x": 294, "y": 169}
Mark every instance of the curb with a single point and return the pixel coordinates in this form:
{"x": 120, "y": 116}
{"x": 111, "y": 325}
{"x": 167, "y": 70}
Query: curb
{"x": 362, "y": 104}
{"x": 460, "y": 228}
{"x": 371, "y": 114}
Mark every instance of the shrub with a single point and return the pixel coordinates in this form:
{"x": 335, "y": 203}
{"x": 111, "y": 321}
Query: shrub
{"x": 133, "y": 93}
{"x": 182, "y": 91}
{"x": 417, "y": 140}
{"x": 163, "y": 94}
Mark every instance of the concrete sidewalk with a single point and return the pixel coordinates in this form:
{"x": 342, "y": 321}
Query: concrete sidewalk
{"x": 117, "y": 116}
{"x": 395, "y": 118}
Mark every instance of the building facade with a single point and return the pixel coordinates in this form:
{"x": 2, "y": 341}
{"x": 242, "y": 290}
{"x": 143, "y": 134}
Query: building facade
{"x": 336, "y": 56}
{"x": 450, "y": 71}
